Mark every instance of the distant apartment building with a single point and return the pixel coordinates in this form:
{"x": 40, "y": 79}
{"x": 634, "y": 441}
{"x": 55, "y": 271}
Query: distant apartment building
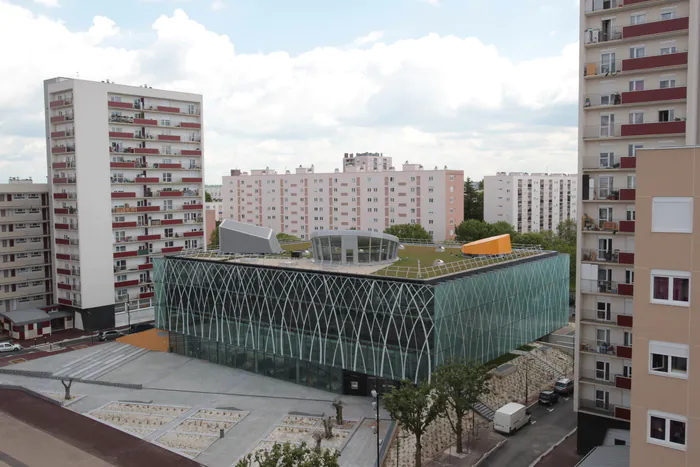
{"x": 369, "y": 194}
{"x": 25, "y": 246}
{"x": 217, "y": 207}
{"x": 126, "y": 184}
{"x": 214, "y": 191}
{"x": 530, "y": 202}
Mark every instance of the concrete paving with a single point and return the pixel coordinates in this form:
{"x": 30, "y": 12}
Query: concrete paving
{"x": 176, "y": 380}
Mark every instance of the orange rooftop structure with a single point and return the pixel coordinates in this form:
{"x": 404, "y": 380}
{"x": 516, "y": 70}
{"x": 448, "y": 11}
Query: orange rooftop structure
{"x": 498, "y": 245}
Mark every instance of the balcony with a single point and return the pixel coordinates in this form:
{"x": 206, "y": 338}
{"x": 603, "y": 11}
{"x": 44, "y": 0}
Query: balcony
{"x": 655, "y": 27}
{"x": 168, "y": 137}
{"x": 603, "y": 256}
{"x": 147, "y": 208}
{"x": 607, "y": 318}
{"x": 65, "y": 196}
{"x": 60, "y": 102}
{"x": 146, "y": 295}
{"x": 147, "y": 180}
{"x": 130, "y": 283}
{"x": 605, "y": 378}
{"x": 67, "y": 241}
{"x": 628, "y": 194}
{"x": 65, "y": 272}
{"x": 191, "y": 179}
{"x": 125, "y": 254}
{"x": 172, "y": 249}
{"x": 120, "y": 105}
{"x": 167, "y": 166}
{"x": 65, "y": 301}
{"x": 606, "y": 348}
{"x": 68, "y": 210}
{"x": 653, "y": 128}
{"x": 191, "y": 152}
{"x": 601, "y": 408}
{"x": 122, "y": 194}
{"x": 654, "y": 95}
{"x": 193, "y": 234}
{"x": 145, "y": 151}
{"x": 156, "y": 222}
{"x": 166, "y": 193}
{"x": 655, "y": 61}
{"x": 62, "y": 149}
{"x": 63, "y": 180}
{"x": 124, "y": 225}
{"x": 144, "y": 267}
{"x": 145, "y": 121}
{"x": 120, "y": 134}
{"x": 190, "y": 125}
{"x": 606, "y": 287}
{"x": 148, "y": 237}
{"x": 163, "y": 108}
{"x": 607, "y": 225}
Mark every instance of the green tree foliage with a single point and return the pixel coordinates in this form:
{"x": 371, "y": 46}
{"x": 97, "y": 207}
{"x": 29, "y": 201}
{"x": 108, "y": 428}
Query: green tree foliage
{"x": 458, "y": 385}
{"x": 415, "y": 407}
{"x": 207, "y": 197}
{"x": 409, "y": 232}
{"x": 473, "y": 200}
{"x": 284, "y": 237}
{"x": 214, "y": 237}
{"x": 289, "y": 455}
{"x": 472, "y": 229}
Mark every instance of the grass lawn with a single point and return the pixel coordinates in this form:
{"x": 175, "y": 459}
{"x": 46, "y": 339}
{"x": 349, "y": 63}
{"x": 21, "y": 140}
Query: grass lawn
{"x": 410, "y": 255}
{"x": 297, "y": 246}
{"x": 498, "y": 361}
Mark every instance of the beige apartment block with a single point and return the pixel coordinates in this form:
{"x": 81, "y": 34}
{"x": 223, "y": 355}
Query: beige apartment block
{"x": 368, "y": 195}
{"x": 639, "y": 72}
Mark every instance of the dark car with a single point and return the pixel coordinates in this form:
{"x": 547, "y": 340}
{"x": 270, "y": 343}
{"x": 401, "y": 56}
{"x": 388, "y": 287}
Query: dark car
{"x": 140, "y": 327}
{"x": 548, "y": 398}
{"x": 564, "y": 387}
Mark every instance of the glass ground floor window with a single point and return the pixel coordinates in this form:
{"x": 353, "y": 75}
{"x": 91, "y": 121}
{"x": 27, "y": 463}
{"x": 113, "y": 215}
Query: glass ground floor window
{"x": 280, "y": 367}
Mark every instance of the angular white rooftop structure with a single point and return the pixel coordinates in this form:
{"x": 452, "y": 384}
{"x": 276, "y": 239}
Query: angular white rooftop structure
{"x": 238, "y": 237}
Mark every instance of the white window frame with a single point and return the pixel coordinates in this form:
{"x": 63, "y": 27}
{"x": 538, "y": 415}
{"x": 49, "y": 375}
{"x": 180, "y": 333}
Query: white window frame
{"x": 657, "y": 203}
{"x": 638, "y": 18}
{"x": 636, "y": 84}
{"x": 670, "y": 350}
{"x": 670, "y": 83}
{"x": 638, "y": 51}
{"x": 671, "y": 275}
{"x": 668, "y": 417}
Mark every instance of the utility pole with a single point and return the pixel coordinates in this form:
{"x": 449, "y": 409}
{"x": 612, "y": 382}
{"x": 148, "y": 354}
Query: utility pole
{"x": 526, "y": 379}
{"x": 375, "y": 404}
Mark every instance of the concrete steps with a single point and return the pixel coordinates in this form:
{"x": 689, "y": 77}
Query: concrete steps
{"x": 103, "y": 349}
{"x": 484, "y": 410}
{"x": 94, "y": 365}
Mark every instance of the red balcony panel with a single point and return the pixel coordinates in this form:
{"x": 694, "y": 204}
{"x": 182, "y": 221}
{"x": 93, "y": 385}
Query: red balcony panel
{"x": 654, "y": 95}
{"x": 62, "y": 241}
{"x": 191, "y": 152}
{"x": 145, "y": 121}
{"x": 623, "y": 413}
{"x": 123, "y": 225}
{"x": 58, "y": 134}
{"x": 125, "y": 254}
{"x": 163, "y": 108}
{"x": 192, "y": 206}
{"x": 626, "y": 258}
{"x": 59, "y": 165}
{"x": 625, "y": 320}
{"x": 126, "y": 283}
{"x": 147, "y": 179}
{"x": 628, "y": 162}
{"x": 624, "y": 352}
{"x": 145, "y": 151}
{"x": 190, "y": 125}
{"x": 145, "y": 266}
{"x": 197, "y": 234}
{"x": 171, "y": 249}
{"x": 169, "y": 137}
{"x": 65, "y": 272}
{"x": 64, "y": 286}
{"x": 655, "y": 27}
{"x": 147, "y": 208}
{"x": 62, "y": 256}
{"x": 146, "y": 295}
{"x": 58, "y": 149}
{"x": 627, "y": 226}
{"x": 170, "y": 193}
{"x": 148, "y": 237}
{"x": 65, "y": 301}
{"x": 123, "y": 195}
{"x": 120, "y": 134}
{"x": 628, "y": 194}
{"x": 60, "y": 180}
{"x": 61, "y": 226}
{"x": 60, "y": 211}
{"x": 122, "y": 165}
{"x": 58, "y": 119}
{"x": 169, "y": 166}
{"x": 192, "y": 179}
{"x": 171, "y": 221}
{"x": 659, "y": 128}
{"x": 655, "y": 61}
{"x": 623, "y": 382}
{"x": 57, "y": 103}
{"x": 120, "y": 105}
{"x": 625, "y": 289}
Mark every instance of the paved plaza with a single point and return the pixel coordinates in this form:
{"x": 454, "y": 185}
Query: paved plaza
{"x": 260, "y": 405}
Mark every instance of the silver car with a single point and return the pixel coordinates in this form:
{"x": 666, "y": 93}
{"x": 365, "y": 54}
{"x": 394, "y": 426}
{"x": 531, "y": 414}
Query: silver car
{"x": 9, "y": 347}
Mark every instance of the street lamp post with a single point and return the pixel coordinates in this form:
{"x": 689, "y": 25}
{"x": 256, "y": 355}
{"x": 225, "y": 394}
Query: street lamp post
{"x": 128, "y": 315}
{"x": 375, "y": 405}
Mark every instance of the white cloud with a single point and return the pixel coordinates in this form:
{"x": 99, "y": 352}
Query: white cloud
{"x": 48, "y": 3}
{"x": 218, "y": 5}
{"x": 432, "y": 100}
{"x": 431, "y": 2}
{"x": 370, "y": 38}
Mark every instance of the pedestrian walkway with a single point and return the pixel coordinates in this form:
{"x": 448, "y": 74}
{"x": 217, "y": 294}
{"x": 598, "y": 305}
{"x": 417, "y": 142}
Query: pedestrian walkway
{"x": 95, "y": 364}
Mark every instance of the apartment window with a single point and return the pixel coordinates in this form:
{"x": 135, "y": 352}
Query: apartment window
{"x": 670, "y": 287}
{"x": 165, "y": 122}
{"x": 668, "y": 359}
{"x": 169, "y": 244}
{"x": 667, "y": 83}
{"x": 671, "y": 49}
{"x": 638, "y": 18}
{"x": 167, "y": 149}
{"x": 632, "y": 149}
{"x": 168, "y": 233}
{"x": 636, "y": 117}
{"x": 667, "y": 14}
{"x": 120, "y": 248}
{"x": 116, "y": 98}
{"x": 637, "y": 85}
{"x": 637, "y": 52}
{"x": 121, "y": 278}
{"x": 672, "y": 214}
{"x": 631, "y": 181}
{"x": 119, "y": 236}
{"x": 666, "y": 430}
{"x": 607, "y": 159}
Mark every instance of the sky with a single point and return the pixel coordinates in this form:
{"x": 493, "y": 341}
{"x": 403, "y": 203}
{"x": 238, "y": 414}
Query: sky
{"x": 480, "y": 86}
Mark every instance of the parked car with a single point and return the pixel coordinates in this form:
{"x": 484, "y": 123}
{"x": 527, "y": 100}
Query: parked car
{"x": 9, "y": 347}
{"x": 564, "y": 386}
{"x": 140, "y": 327}
{"x": 110, "y": 335}
{"x": 511, "y": 417}
{"x": 548, "y": 398}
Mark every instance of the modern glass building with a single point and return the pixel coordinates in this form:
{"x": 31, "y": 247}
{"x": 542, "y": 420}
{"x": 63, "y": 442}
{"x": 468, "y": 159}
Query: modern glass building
{"x": 354, "y": 246}
{"x": 341, "y": 330}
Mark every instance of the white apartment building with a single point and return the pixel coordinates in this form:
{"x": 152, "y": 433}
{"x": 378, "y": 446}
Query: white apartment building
{"x": 639, "y": 72}
{"x": 530, "y": 202}
{"x": 368, "y": 195}
{"x": 126, "y": 184}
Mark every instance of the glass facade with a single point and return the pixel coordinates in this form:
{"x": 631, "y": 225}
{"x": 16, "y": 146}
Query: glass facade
{"x": 354, "y": 246}
{"x": 309, "y": 327}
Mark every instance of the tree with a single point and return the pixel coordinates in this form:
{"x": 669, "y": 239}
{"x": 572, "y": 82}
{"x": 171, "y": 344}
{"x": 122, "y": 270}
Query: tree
{"x": 214, "y": 238}
{"x": 473, "y": 200}
{"x": 500, "y": 228}
{"x": 458, "y": 385}
{"x": 338, "y": 406}
{"x": 66, "y": 385}
{"x": 207, "y": 197}
{"x": 567, "y": 231}
{"x": 285, "y": 237}
{"x": 415, "y": 407}
{"x": 289, "y": 455}
{"x": 409, "y": 232}
{"x": 473, "y": 229}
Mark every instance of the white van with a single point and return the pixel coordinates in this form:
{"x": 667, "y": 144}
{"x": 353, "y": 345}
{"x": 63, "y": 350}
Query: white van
{"x": 510, "y": 418}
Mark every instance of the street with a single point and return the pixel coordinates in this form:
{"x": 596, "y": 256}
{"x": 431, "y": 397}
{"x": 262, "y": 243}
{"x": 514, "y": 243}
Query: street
{"x": 548, "y": 427}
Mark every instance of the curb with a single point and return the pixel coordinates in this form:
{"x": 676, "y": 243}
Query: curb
{"x": 544, "y": 454}
{"x": 494, "y": 449}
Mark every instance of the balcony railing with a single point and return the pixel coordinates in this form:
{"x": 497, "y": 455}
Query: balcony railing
{"x": 603, "y": 408}
{"x": 670, "y": 127}
{"x": 612, "y": 68}
{"x": 591, "y": 224}
{"x": 606, "y": 348}
{"x": 606, "y": 378}
{"x": 607, "y": 256}
{"x": 608, "y": 317}
{"x": 608, "y": 287}
{"x": 597, "y": 35}
{"x": 635, "y": 97}
{"x": 62, "y": 149}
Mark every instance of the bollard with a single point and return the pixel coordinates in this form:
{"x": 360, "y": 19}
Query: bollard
{"x": 221, "y": 433}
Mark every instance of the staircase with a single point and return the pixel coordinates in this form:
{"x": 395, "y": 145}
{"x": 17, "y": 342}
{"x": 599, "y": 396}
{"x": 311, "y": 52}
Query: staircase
{"x": 109, "y": 357}
{"x": 484, "y": 410}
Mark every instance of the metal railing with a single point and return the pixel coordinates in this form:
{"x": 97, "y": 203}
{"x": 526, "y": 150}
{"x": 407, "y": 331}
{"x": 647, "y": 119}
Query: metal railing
{"x": 605, "y": 256}
{"x": 613, "y": 67}
{"x": 596, "y": 35}
{"x": 599, "y": 376}
{"x": 600, "y": 347}
{"x": 603, "y": 225}
{"x": 602, "y": 407}
{"x": 601, "y": 286}
{"x": 133, "y": 303}
{"x": 603, "y": 316}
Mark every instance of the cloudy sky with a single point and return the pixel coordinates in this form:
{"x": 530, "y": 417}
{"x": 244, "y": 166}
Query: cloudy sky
{"x": 481, "y": 86}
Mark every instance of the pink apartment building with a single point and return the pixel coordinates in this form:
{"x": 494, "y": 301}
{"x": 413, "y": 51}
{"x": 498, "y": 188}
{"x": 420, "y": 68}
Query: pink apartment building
{"x": 369, "y": 194}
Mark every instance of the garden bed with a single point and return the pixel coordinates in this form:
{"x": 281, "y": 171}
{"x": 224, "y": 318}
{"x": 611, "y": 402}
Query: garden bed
{"x": 149, "y": 409}
{"x": 234, "y": 416}
{"x": 186, "y": 441}
{"x": 208, "y": 427}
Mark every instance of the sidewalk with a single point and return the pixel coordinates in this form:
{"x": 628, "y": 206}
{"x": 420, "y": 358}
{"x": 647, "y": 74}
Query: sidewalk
{"x": 15, "y": 359}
